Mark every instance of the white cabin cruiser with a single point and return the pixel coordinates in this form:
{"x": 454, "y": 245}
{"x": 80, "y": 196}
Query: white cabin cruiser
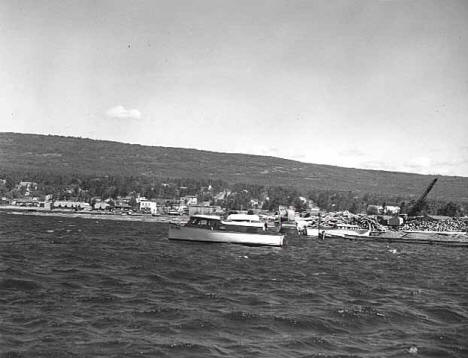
{"x": 210, "y": 228}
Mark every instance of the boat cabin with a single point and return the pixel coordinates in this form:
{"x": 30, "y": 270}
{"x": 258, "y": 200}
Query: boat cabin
{"x": 244, "y": 218}
{"x": 213, "y": 222}
{"x": 205, "y": 222}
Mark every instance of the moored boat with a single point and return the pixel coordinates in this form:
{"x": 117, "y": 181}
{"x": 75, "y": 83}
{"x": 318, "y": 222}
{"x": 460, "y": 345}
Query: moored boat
{"x": 340, "y": 230}
{"x": 210, "y": 228}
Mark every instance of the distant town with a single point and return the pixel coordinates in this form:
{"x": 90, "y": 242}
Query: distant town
{"x": 189, "y": 197}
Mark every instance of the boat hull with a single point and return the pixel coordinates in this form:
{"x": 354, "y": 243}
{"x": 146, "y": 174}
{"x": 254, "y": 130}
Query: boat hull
{"x": 314, "y": 232}
{"x": 177, "y": 232}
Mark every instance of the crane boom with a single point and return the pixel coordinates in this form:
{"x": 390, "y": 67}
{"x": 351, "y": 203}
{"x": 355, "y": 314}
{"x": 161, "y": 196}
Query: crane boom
{"x": 416, "y": 208}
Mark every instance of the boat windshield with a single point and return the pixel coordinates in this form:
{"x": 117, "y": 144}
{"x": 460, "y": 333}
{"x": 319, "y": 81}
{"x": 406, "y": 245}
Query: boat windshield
{"x": 203, "y": 222}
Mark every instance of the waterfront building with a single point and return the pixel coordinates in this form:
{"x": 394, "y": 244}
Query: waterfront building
{"x": 68, "y": 204}
{"x": 101, "y": 205}
{"x": 148, "y": 206}
{"x": 189, "y": 200}
{"x": 201, "y": 210}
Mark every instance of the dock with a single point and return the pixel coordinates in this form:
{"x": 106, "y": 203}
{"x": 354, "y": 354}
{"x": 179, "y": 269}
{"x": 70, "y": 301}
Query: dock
{"x": 429, "y": 238}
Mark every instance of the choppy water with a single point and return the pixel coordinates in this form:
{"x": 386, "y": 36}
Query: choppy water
{"x": 95, "y": 288}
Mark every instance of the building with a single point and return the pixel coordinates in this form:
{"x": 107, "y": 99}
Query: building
{"x": 122, "y": 205}
{"x": 392, "y": 210}
{"x": 47, "y": 205}
{"x": 395, "y": 221}
{"x": 29, "y": 185}
{"x": 148, "y": 206}
{"x": 140, "y": 198}
{"x": 189, "y": 200}
{"x": 4, "y": 201}
{"x": 222, "y": 195}
{"x": 101, "y": 205}
{"x": 68, "y": 204}
{"x": 374, "y": 210}
{"x": 26, "y": 202}
{"x": 202, "y": 210}
{"x": 255, "y": 203}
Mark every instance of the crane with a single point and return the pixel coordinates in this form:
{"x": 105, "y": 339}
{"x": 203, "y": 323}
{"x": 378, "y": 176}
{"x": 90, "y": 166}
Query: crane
{"x": 416, "y": 208}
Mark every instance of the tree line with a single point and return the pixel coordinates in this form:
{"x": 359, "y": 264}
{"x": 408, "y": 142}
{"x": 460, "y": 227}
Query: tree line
{"x": 237, "y": 196}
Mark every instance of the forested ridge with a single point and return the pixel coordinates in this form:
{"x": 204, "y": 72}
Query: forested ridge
{"x": 29, "y": 154}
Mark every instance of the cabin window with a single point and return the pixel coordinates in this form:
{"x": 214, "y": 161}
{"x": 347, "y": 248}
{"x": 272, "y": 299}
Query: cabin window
{"x": 204, "y": 222}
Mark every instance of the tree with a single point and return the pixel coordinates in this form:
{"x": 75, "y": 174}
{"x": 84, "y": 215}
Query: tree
{"x": 133, "y": 203}
{"x": 450, "y": 209}
{"x": 300, "y": 204}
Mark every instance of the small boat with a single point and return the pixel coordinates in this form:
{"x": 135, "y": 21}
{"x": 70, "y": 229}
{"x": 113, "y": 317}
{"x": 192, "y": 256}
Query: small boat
{"x": 340, "y": 230}
{"x": 210, "y": 228}
{"x": 433, "y": 232}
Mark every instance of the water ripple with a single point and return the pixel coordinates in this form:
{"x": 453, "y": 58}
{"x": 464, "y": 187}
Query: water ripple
{"x": 75, "y": 287}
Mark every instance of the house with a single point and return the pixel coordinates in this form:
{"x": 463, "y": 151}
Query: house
{"x": 189, "y": 200}
{"x": 4, "y": 201}
{"x": 385, "y": 210}
{"x": 29, "y": 185}
{"x": 392, "y": 210}
{"x": 222, "y": 195}
{"x": 254, "y": 203}
{"x": 123, "y": 200}
{"x": 201, "y": 210}
{"x": 101, "y": 205}
{"x": 122, "y": 205}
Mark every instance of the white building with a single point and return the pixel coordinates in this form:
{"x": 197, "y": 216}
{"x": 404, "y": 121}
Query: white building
{"x": 147, "y": 205}
{"x": 67, "y": 204}
{"x": 29, "y": 185}
{"x": 392, "y": 210}
{"x": 189, "y": 200}
{"x": 201, "y": 210}
{"x": 101, "y": 205}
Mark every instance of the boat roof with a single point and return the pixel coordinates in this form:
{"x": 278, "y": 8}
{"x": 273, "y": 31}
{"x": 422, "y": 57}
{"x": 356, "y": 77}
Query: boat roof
{"x": 209, "y": 217}
{"x": 243, "y": 217}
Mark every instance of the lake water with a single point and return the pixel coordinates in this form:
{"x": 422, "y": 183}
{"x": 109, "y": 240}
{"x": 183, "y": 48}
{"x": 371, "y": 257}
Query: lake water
{"x": 94, "y": 288}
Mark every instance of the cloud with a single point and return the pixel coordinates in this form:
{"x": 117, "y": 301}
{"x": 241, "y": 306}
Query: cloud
{"x": 123, "y": 113}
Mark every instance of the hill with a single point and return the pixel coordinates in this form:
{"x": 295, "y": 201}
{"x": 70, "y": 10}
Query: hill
{"x": 31, "y": 152}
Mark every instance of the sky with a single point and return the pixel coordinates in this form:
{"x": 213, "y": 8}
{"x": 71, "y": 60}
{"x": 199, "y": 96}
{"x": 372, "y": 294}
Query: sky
{"x": 362, "y": 84}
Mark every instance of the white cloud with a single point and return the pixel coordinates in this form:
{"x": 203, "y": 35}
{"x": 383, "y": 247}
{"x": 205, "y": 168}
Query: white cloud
{"x": 123, "y": 113}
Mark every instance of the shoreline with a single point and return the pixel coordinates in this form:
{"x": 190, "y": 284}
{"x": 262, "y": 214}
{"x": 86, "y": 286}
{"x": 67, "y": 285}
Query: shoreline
{"x": 13, "y": 210}
{"x": 419, "y": 237}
